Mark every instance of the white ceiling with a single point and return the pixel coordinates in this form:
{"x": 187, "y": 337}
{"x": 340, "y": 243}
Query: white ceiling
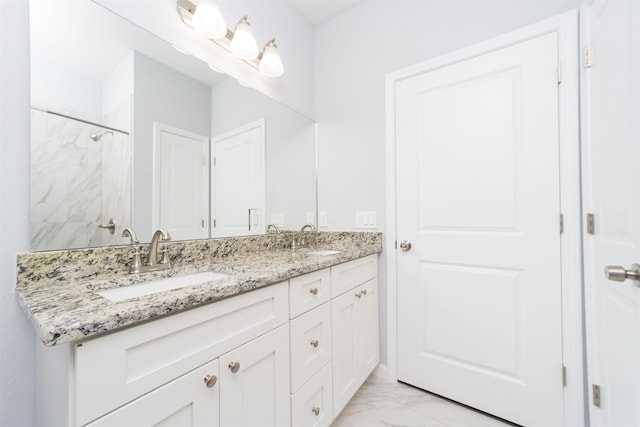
{"x": 320, "y": 11}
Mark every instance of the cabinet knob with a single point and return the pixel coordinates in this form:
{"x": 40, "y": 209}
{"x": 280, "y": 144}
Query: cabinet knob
{"x": 234, "y": 366}
{"x": 210, "y": 380}
{"x": 315, "y": 343}
{"x": 314, "y": 291}
{"x": 359, "y": 294}
{"x": 315, "y": 410}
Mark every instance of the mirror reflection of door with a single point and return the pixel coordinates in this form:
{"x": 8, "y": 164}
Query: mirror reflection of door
{"x": 238, "y": 197}
{"x": 181, "y": 178}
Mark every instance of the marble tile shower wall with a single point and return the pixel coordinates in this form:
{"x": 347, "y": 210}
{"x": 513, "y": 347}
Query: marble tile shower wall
{"x": 78, "y": 183}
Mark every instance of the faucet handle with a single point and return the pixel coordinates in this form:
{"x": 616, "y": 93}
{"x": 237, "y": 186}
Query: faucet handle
{"x": 165, "y": 256}
{"x": 136, "y": 263}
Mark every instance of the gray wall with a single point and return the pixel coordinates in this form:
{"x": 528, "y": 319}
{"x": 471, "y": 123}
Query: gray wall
{"x": 163, "y": 95}
{"x": 290, "y": 148}
{"x": 354, "y": 52}
{"x": 16, "y": 335}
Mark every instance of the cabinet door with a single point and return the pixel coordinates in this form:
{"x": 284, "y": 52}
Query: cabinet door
{"x": 354, "y": 319}
{"x": 184, "y": 402}
{"x": 367, "y": 337}
{"x": 255, "y": 382}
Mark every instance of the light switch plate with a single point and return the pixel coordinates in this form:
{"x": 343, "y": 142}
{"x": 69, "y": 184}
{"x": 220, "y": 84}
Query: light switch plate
{"x": 322, "y": 219}
{"x": 311, "y": 218}
{"x": 366, "y": 219}
{"x": 277, "y": 219}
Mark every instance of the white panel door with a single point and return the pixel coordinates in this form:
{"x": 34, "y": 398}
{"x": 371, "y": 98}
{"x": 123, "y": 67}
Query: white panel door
{"x": 611, "y": 149}
{"x": 181, "y": 182}
{"x": 479, "y": 294}
{"x": 239, "y": 181}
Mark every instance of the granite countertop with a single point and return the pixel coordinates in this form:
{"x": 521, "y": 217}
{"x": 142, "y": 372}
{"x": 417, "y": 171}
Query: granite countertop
{"x": 64, "y": 311}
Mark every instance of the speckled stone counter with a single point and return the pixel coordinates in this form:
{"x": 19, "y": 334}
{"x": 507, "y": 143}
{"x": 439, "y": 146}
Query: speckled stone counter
{"x": 57, "y": 289}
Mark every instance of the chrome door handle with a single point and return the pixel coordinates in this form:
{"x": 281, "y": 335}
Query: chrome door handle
{"x": 617, "y": 273}
{"x": 405, "y": 245}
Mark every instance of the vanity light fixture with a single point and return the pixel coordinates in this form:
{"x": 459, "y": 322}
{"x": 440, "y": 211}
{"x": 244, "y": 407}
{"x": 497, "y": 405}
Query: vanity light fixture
{"x": 243, "y": 42}
{"x": 270, "y": 62}
{"x": 206, "y": 19}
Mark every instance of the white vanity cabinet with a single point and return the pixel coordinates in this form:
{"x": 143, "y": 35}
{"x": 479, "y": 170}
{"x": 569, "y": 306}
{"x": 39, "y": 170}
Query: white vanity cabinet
{"x": 292, "y": 353}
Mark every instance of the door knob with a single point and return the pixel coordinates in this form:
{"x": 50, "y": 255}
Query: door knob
{"x": 405, "y": 245}
{"x": 617, "y": 273}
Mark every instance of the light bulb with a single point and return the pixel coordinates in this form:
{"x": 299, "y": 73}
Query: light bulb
{"x": 208, "y": 20}
{"x": 271, "y": 63}
{"x": 243, "y": 43}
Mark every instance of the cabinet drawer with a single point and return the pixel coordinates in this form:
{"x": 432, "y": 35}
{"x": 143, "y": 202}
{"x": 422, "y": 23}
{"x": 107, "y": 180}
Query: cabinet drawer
{"x": 312, "y": 405}
{"x": 353, "y": 273}
{"x": 310, "y": 344}
{"x": 309, "y": 291}
{"x": 117, "y": 368}
{"x": 186, "y": 401}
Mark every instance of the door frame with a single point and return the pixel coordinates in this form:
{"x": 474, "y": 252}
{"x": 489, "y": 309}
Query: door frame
{"x": 566, "y": 26}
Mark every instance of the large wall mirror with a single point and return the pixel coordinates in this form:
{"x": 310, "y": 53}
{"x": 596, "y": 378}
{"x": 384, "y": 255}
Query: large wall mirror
{"x": 127, "y": 131}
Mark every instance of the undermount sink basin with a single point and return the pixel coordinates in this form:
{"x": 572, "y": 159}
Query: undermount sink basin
{"x": 323, "y": 252}
{"x": 148, "y": 288}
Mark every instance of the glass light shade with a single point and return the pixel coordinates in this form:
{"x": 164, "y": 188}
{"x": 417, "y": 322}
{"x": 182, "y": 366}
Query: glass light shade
{"x": 271, "y": 63}
{"x": 243, "y": 43}
{"x": 208, "y": 20}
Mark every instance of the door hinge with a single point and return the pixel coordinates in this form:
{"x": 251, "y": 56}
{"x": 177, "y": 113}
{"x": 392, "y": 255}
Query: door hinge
{"x": 214, "y": 223}
{"x": 586, "y": 56}
{"x": 395, "y": 244}
{"x": 595, "y": 391}
{"x": 214, "y": 160}
{"x": 561, "y": 223}
{"x": 203, "y": 223}
{"x": 559, "y": 73}
{"x": 564, "y": 376}
{"x": 591, "y": 224}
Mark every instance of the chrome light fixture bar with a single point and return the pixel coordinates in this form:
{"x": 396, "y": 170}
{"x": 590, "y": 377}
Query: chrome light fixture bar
{"x": 244, "y": 47}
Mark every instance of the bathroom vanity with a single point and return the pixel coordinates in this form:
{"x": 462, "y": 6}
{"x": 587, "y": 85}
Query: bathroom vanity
{"x": 284, "y": 338}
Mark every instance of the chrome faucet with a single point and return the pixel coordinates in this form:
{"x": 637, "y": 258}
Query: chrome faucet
{"x": 272, "y": 228}
{"x": 160, "y": 234}
{"x": 152, "y": 264}
{"x": 299, "y": 240}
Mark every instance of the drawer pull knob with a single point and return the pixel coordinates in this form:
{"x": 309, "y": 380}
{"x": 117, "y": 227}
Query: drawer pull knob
{"x": 210, "y": 380}
{"x": 315, "y": 410}
{"x": 314, "y": 291}
{"x": 315, "y": 343}
{"x": 234, "y": 366}
{"x": 361, "y": 293}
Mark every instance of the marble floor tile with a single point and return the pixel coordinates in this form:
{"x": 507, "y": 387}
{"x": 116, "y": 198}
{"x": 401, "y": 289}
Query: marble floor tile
{"x": 383, "y": 403}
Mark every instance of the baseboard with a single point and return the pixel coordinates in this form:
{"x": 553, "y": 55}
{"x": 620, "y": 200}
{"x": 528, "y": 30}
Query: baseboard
{"x": 382, "y": 372}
